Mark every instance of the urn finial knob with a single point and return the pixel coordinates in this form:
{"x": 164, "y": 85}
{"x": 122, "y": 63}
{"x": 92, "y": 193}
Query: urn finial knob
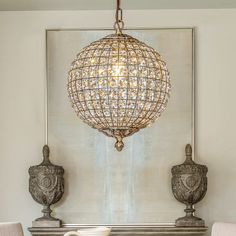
{"x": 46, "y": 151}
{"x": 188, "y": 150}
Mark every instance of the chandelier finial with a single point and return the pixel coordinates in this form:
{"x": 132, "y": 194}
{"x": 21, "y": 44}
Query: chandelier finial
{"x": 119, "y": 143}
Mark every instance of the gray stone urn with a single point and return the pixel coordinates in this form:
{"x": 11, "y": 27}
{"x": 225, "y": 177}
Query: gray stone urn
{"x": 46, "y": 185}
{"x": 189, "y": 186}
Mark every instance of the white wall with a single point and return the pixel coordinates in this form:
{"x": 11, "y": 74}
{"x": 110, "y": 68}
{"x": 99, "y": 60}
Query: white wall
{"x": 22, "y": 76}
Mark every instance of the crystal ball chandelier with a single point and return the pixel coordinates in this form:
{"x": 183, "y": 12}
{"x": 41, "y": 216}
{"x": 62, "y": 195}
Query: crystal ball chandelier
{"x": 118, "y": 84}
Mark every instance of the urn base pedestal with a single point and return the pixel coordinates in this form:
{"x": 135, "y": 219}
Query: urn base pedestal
{"x": 47, "y": 223}
{"x": 190, "y": 221}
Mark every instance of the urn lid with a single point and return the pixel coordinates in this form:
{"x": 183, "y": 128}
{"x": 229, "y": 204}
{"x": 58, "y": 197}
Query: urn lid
{"x": 189, "y": 166}
{"x": 46, "y": 166}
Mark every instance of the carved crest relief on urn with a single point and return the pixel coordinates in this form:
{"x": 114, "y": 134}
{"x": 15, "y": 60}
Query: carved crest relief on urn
{"x": 189, "y": 186}
{"x": 46, "y": 185}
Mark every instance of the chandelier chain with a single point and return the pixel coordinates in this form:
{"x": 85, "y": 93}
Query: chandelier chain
{"x": 119, "y": 23}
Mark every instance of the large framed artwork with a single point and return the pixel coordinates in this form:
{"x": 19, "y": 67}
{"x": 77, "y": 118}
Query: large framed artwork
{"x": 133, "y": 186}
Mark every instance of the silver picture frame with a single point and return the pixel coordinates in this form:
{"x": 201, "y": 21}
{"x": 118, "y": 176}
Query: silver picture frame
{"x": 60, "y": 156}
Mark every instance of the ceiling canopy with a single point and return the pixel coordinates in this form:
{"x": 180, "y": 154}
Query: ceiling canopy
{"x": 29, "y": 5}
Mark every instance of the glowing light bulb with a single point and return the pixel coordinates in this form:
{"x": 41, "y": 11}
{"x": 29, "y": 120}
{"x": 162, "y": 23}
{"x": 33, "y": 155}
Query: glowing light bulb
{"x": 117, "y": 70}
